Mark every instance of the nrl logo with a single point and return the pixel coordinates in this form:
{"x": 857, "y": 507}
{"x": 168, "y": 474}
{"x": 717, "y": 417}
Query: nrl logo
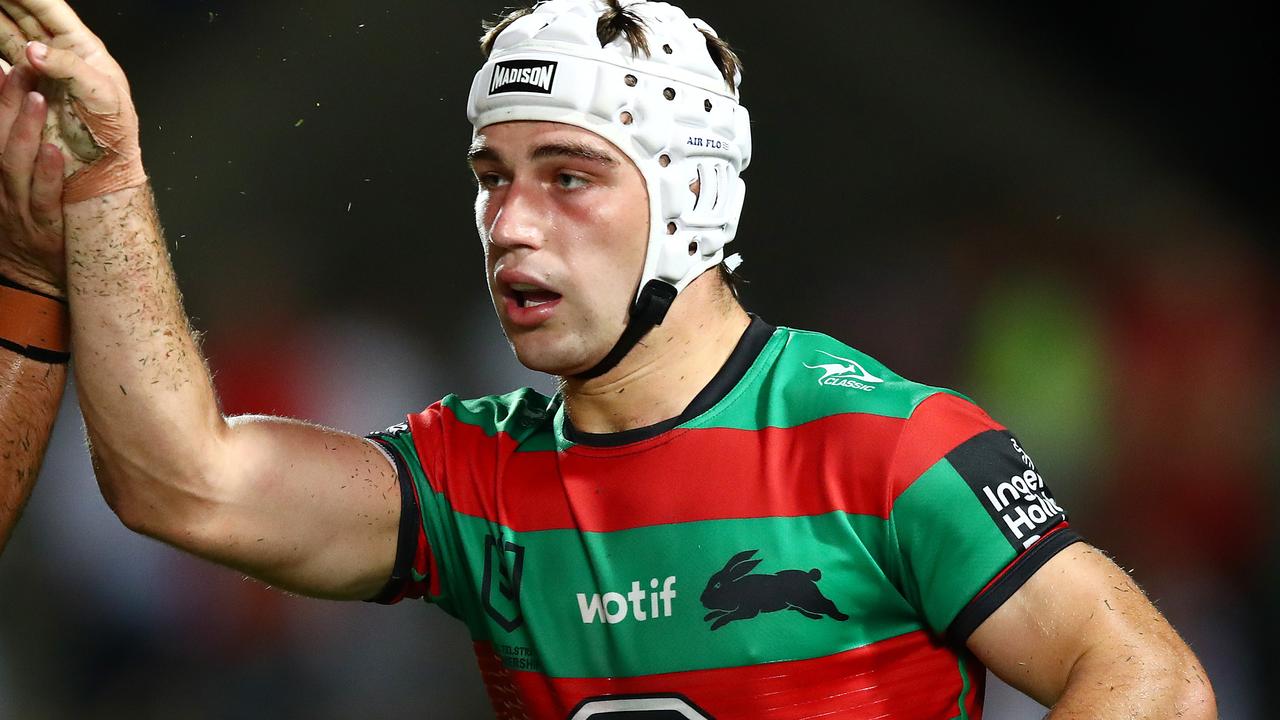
{"x": 845, "y": 373}
{"x": 529, "y": 76}
{"x": 500, "y": 584}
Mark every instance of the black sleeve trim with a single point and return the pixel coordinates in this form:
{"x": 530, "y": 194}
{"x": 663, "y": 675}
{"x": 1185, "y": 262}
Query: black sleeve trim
{"x": 407, "y": 543}
{"x": 1013, "y": 578}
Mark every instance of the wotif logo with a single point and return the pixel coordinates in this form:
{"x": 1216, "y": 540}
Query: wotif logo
{"x": 530, "y": 76}
{"x": 846, "y": 373}
{"x": 614, "y": 607}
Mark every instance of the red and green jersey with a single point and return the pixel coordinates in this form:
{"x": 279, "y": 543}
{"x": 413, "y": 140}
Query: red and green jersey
{"x": 815, "y": 537}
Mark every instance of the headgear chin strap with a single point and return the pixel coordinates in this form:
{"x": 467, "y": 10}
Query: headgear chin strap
{"x": 671, "y": 112}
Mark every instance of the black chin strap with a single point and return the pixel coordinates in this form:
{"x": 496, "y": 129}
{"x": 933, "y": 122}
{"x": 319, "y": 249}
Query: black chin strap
{"x": 650, "y": 308}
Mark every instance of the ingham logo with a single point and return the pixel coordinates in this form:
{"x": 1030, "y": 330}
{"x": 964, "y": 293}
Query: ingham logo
{"x": 526, "y": 76}
{"x": 1007, "y": 483}
{"x": 846, "y": 373}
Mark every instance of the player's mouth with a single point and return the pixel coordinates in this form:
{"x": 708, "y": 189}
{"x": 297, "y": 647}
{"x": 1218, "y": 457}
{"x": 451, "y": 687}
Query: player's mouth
{"x": 527, "y": 304}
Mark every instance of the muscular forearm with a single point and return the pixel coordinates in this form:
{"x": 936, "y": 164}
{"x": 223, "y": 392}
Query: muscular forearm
{"x": 257, "y": 494}
{"x": 1145, "y": 678}
{"x": 146, "y": 395}
{"x": 29, "y": 395}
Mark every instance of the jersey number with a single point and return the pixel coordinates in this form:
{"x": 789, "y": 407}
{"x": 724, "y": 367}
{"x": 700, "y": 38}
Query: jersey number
{"x": 635, "y": 707}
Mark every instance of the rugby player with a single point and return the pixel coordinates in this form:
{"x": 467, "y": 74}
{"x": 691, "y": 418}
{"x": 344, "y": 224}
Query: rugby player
{"x": 713, "y": 517}
{"x": 33, "y": 308}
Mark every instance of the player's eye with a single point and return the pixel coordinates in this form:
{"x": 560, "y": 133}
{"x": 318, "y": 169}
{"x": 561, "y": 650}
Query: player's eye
{"x": 570, "y": 182}
{"x": 490, "y": 180}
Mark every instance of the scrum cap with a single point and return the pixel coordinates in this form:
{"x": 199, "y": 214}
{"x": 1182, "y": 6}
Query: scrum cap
{"x": 670, "y": 111}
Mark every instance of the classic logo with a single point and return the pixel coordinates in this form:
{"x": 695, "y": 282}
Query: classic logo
{"x": 396, "y": 430}
{"x": 846, "y": 373}
{"x": 528, "y": 76}
{"x": 503, "y": 562}
{"x": 733, "y": 594}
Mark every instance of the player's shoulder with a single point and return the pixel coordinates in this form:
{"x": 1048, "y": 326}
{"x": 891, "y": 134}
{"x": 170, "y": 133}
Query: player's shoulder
{"x": 517, "y": 413}
{"x": 821, "y": 376}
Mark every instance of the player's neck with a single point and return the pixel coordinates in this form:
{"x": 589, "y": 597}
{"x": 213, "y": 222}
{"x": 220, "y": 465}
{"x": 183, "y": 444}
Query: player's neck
{"x": 658, "y": 379}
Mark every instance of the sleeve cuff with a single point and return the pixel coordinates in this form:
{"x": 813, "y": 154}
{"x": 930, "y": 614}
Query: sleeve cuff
{"x": 406, "y": 543}
{"x": 1008, "y": 582}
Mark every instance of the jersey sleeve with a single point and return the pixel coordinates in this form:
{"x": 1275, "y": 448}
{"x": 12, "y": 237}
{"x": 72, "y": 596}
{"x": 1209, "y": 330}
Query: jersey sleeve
{"x": 418, "y": 572}
{"x": 971, "y": 516}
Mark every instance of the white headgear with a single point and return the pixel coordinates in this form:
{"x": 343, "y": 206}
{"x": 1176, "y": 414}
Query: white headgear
{"x": 671, "y": 112}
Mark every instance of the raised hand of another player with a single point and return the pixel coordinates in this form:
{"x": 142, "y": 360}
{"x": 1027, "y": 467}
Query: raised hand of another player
{"x": 31, "y": 237}
{"x": 91, "y": 115}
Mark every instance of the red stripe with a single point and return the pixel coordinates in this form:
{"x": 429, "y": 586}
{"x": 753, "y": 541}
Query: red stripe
{"x": 907, "y": 677}
{"x": 839, "y": 463}
{"x": 939, "y": 424}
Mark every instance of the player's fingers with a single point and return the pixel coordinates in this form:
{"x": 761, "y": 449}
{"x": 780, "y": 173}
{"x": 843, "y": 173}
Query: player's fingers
{"x": 25, "y": 20}
{"x": 19, "y": 157}
{"x": 12, "y": 39}
{"x": 55, "y": 16}
{"x": 20, "y": 81}
{"x": 86, "y": 83}
{"x": 46, "y": 187}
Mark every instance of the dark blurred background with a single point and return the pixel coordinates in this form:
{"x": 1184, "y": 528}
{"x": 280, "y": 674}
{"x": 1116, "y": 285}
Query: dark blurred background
{"x": 1064, "y": 210}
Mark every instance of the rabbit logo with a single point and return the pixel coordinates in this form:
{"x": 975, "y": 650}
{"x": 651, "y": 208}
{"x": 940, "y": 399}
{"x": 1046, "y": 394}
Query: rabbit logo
{"x": 733, "y": 594}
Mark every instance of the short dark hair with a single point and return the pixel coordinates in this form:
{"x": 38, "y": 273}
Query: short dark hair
{"x": 732, "y": 280}
{"x": 618, "y": 21}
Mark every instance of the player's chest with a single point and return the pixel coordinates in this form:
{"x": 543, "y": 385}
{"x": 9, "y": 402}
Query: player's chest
{"x": 690, "y": 593}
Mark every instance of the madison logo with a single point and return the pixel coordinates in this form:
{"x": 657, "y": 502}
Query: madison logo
{"x": 846, "y": 373}
{"x": 500, "y": 586}
{"x": 734, "y": 594}
{"x": 528, "y": 76}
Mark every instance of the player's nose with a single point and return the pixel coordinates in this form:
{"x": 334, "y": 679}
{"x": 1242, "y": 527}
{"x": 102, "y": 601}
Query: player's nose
{"x": 521, "y": 220}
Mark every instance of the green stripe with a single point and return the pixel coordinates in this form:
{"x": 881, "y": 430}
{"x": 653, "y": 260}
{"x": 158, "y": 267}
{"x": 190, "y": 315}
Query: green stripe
{"x": 781, "y": 390}
{"x": 950, "y": 546}
{"x": 561, "y": 564}
{"x": 964, "y": 689}
{"x": 523, "y": 414}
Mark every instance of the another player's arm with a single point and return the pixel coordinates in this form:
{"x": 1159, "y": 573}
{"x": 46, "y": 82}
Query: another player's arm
{"x": 1082, "y": 638}
{"x": 33, "y": 367}
{"x": 307, "y": 509}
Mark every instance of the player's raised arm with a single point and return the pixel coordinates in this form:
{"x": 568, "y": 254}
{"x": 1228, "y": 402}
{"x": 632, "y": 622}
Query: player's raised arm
{"x": 308, "y": 509}
{"x": 33, "y": 316}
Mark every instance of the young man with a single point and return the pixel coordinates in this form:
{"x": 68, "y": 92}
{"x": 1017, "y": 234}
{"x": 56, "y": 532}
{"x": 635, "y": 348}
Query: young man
{"x": 712, "y": 518}
{"x": 33, "y": 315}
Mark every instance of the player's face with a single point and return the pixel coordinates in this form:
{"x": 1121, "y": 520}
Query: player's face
{"x": 564, "y": 218}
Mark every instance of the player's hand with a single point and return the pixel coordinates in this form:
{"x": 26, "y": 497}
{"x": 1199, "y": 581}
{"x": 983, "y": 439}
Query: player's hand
{"x": 91, "y": 116}
{"x": 31, "y": 240}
